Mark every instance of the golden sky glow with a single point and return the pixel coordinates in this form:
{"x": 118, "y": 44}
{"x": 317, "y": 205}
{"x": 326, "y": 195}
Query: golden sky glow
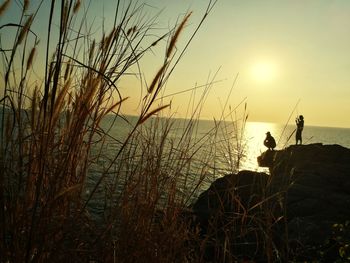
{"x": 284, "y": 52}
{"x": 263, "y": 71}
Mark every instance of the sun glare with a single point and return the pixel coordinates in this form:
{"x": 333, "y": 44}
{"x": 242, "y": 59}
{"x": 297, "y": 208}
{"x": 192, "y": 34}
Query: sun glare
{"x": 263, "y": 71}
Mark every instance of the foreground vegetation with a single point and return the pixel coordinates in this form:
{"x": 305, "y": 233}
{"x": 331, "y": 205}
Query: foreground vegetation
{"x": 54, "y": 170}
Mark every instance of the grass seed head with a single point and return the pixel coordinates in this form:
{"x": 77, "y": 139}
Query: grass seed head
{"x": 157, "y": 78}
{"x": 176, "y": 35}
{"x": 25, "y": 5}
{"x": 4, "y": 6}
{"x": 67, "y": 71}
{"x": 92, "y": 50}
{"x": 76, "y": 6}
{"x": 31, "y": 57}
{"x": 148, "y": 115}
{"x": 24, "y": 30}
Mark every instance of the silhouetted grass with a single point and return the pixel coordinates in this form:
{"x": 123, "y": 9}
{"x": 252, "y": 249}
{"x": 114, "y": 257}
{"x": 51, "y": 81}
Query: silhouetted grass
{"x": 51, "y": 137}
{"x": 65, "y": 194}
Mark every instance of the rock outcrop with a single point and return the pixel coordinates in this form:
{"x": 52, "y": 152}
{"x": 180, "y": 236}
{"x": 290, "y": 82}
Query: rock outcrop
{"x": 285, "y": 215}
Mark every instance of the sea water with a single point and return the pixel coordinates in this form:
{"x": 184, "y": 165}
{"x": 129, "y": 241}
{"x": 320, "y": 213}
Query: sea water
{"x": 228, "y": 136}
{"x": 249, "y": 136}
{"x": 285, "y": 135}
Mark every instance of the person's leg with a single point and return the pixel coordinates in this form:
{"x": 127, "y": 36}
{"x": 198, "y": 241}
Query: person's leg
{"x": 298, "y": 137}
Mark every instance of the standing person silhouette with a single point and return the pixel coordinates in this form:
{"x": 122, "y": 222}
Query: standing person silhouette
{"x": 300, "y": 126}
{"x": 269, "y": 141}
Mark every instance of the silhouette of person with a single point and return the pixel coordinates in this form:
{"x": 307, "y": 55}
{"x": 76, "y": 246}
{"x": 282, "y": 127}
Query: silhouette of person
{"x": 300, "y": 126}
{"x": 269, "y": 141}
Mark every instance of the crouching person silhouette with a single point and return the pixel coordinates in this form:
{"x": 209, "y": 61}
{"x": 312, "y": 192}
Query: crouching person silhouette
{"x": 270, "y": 142}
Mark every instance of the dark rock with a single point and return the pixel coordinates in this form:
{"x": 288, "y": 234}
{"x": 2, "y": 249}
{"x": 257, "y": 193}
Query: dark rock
{"x": 287, "y": 215}
{"x": 232, "y": 192}
{"x": 266, "y": 159}
{"x": 317, "y": 178}
{"x": 232, "y": 216}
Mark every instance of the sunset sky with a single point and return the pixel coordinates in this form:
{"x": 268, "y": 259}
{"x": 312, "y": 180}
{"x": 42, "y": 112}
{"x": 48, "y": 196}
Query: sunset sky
{"x": 284, "y": 51}
{"x": 287, "y": 54}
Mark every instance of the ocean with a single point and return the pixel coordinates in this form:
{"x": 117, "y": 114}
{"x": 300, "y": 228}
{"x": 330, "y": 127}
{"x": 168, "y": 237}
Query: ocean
{"x": 247, "y": 139}
{"x": 285, "y": 136}
{"x": 193, "y": 151}
{"x": 214, "y": 148}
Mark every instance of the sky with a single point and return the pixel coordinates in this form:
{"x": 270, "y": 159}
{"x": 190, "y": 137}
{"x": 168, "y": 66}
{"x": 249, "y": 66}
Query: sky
{"x": 289, "y": 57}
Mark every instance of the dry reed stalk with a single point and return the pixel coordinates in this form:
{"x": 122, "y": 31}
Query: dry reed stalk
{"x": 92, "y": 50}
{"x": 68, "y": 70}
{"x": 24, "y": 30}
{"x": 176, "y": 35}
{"x": 30, "y": 58}
{"x": 76, "y": 6}
{"x": 33, "y": 107}
{"x": 157, "y": 78}
{"x": 4, "y": 6}
{"x": 108, "y": 40}
{"x": 25, "y": 5}
{"x": 149, "y": 114}
{"x": 108, "y": 110}
{"x": 60, "y": 101}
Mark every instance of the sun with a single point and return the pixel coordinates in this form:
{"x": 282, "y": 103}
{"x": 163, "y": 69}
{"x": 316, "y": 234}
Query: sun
{"x": 263, "y": 71}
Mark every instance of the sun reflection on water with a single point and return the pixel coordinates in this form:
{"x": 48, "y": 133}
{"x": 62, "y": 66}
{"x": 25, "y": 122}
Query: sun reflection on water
{"x": 255, "y": 133}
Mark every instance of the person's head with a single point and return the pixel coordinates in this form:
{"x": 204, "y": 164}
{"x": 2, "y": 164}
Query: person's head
{"x": 268, "y": 134}
{"x": 301, "y": 117}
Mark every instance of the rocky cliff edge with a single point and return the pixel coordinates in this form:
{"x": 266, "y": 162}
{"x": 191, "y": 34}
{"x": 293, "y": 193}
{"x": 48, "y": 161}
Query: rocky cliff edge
{"x": 291, "y": 213}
